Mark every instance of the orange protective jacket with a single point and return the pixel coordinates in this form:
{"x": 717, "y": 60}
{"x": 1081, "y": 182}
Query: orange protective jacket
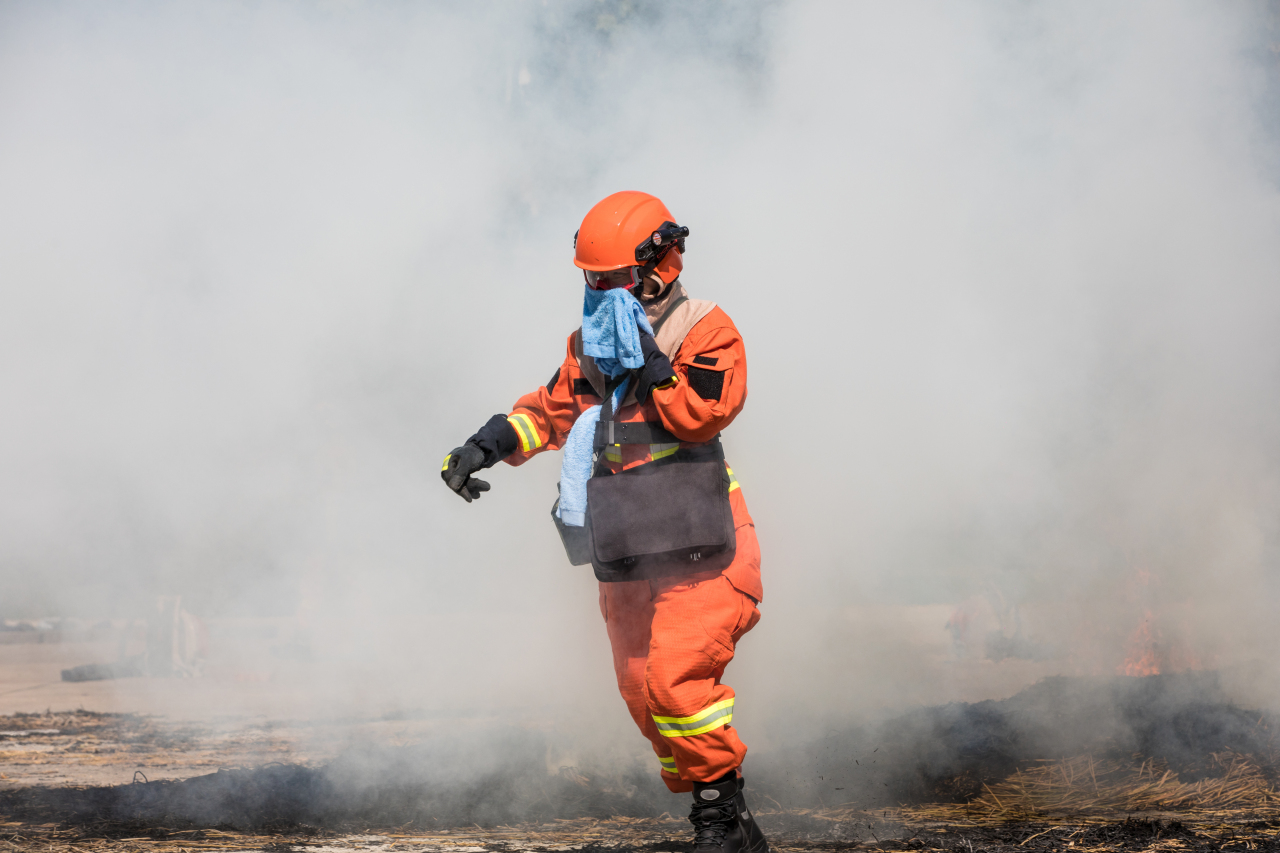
{"x": 543, "y": 418}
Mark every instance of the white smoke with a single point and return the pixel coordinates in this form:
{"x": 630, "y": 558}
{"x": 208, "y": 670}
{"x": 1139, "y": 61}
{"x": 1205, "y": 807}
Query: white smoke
{"x": 1005, "y": 274}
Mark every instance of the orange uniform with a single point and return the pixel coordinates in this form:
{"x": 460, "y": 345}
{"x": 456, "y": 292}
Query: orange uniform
{"x": 671, "y": 637}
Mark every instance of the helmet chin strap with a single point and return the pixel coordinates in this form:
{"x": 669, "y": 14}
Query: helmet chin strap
{"x": 661, "y": 287}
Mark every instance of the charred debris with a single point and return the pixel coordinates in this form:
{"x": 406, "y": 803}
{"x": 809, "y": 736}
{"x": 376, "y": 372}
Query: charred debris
{"x": 1181, "y": 725}
{"x": 1181, "y": 722}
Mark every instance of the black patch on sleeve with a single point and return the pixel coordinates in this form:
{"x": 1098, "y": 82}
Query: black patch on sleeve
{"x": 554, "y": 379}
{"x": 707, "y": 360}
{"x": 582, "y": 388}
{"x": 709, "y": 384}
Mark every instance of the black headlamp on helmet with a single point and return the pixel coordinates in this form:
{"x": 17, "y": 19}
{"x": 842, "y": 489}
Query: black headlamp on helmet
{"x": 652, "y": 251}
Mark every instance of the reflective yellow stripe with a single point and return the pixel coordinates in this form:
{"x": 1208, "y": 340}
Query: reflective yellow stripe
{"x": 733, "y": 481}
{"x": 613, "y": 455}
{"x": 670, "y": 383}
{"x": 662, "y": 451}
{"x": 519, "y": 428}
{"x": 668, "y": 764}
{"x": 522, "y": 429}
{"x": 710, "y": 709}
{"x": 529, "y": 439}
{"x": 445, "y": 466}
{"x": 710, "y": 717}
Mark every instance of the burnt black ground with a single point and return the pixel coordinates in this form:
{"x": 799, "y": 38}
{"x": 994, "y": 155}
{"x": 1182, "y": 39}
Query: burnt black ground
{"x": 1127, "y": 834}
{"x": 790, "y": 833}
{"x": 946, "y": 753}
{"x": 926, "y": 755}
{"x": 290, "y": 797}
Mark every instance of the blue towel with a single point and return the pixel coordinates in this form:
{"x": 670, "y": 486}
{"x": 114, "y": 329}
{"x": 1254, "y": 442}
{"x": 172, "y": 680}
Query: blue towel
{"x": 575, "y": 468}
{"x": 610, "y": 320}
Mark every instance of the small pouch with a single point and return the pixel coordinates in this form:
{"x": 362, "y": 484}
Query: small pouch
{"x": 576, "y": 540}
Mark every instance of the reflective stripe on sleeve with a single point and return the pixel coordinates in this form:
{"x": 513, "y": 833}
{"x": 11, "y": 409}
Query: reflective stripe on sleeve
{"x": 733, "y": 481}
{"x": 668, "y": 764}
{"x": 710, "y": 717}
{"x": 528, "y": 433}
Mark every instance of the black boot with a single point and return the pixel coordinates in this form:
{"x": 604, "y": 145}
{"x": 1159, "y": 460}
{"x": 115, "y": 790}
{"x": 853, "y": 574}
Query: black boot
{"x": 721, "y": 821}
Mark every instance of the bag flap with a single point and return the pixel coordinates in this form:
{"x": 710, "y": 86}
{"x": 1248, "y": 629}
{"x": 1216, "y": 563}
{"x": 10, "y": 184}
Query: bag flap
{"x": 659, "y": 509}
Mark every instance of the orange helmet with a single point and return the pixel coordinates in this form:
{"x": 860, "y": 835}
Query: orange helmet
{"x": 627, "y": 230}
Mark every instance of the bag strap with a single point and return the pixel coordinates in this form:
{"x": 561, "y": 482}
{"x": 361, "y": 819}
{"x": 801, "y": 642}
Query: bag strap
{"x": 606, "y": 419}
{"x": 606, "y": 407}
{"x": 671, "y": 309}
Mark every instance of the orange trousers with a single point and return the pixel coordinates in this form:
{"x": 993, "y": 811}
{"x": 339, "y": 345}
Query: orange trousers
{"x": 672, "y": 639}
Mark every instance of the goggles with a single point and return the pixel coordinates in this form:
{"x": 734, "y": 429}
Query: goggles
{"x": 627, "y": 277}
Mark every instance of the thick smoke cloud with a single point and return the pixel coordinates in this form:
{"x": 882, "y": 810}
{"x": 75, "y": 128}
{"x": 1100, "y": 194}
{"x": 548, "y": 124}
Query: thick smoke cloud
{"x": 1006, "y": 273}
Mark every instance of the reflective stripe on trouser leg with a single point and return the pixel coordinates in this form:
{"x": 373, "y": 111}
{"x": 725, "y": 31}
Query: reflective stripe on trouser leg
{"x": 711, "y": 717}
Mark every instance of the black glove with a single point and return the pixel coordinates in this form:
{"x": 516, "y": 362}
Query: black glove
{"x": 459, "y": 465}
{"x": 657, "y": 367}
{"x": 495, "y": 441}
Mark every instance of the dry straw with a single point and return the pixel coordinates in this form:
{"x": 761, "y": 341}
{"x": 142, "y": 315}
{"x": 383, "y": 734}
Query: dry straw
{"x": 1086, "y": 785}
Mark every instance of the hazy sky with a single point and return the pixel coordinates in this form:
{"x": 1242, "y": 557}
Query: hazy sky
{"x": 1007, "y": 275}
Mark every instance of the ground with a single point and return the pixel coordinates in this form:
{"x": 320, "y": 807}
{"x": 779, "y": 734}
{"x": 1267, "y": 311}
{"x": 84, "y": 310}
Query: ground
{"x": 66, "y": 753}
{"x": 670, "y": 834}
{"x": 116, "y": 779}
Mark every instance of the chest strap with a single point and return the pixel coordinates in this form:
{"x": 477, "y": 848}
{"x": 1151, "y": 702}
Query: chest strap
{"x": 642, "y": 432}
{"x": 712, "y": 451}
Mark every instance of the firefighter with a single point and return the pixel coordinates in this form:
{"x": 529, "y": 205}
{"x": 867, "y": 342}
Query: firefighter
{"x": 674, "y": 608}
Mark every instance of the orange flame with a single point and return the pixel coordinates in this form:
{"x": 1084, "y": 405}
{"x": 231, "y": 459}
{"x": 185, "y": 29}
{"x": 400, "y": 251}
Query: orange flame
{"x": 1143, "y": 657}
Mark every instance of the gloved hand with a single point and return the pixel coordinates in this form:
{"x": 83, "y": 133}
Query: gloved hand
{"x": 495, "y": 441}
{"x": 459, "y": 465}
{"x": 657, "y": 368}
